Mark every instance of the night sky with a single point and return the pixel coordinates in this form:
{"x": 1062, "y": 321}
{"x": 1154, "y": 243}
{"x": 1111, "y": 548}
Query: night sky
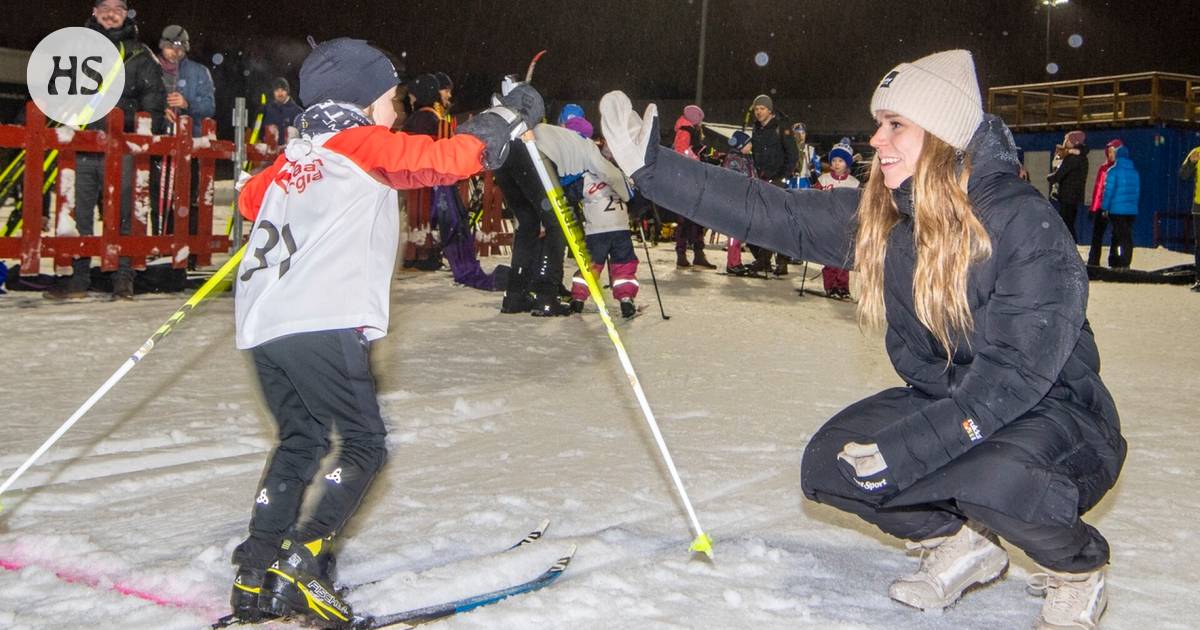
{"x": 649, "y": 47}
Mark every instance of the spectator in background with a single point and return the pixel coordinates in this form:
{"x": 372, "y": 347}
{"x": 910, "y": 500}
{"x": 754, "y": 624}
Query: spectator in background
{"x": 1099, "y": 218}
{"x": 441, "y": 206}
{"x": 190, "y": 92}
{"x": 189, "y": 84}
{"x": 569, "y": 111}
{"x": 775, "y": 156}
{"x": 1122, "y": 189}
{"x": 144, "y": 92}
{"x": 1190, "y": 171}
{"x": 281, "y": 112}
{"x": 808, "y": 163}
{"x": 836, "y": 279}
{"x": 689, "y": 141}
{"x": 1071, "y": 177}
{"x": 421, "y": 251}
{"x": 445, "y": 91}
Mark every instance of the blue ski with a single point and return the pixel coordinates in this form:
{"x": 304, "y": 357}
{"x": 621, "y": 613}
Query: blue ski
{"x": 418, "y": 616}
{"x": 533, "y": 536}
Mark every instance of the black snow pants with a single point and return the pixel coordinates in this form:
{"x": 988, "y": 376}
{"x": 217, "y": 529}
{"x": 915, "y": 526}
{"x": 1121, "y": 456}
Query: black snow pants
{"x": 539, "y": 245}
{"x": 314, "y": 383}
{"x": 1029, "y": 482}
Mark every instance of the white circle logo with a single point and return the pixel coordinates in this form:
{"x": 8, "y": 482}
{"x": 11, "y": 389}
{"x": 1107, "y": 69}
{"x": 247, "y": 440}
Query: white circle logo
{"x": 76, "y": 76}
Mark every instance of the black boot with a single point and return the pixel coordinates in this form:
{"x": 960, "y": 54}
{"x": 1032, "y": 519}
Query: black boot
{"x": 628, "y": 310}
{"x": 76, "y": 286}
{"x": 549, "y": 306}
{"x": 244, "y": 599}
{"x": 681, "y": 261}
{"x": 300, "y": 582}
{"x": 516, "y": 302}
{"x": 699, "y": 260}
{"x": 123, "y": 284}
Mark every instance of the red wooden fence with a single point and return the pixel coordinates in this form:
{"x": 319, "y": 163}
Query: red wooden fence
{"x": 37, "y": 140}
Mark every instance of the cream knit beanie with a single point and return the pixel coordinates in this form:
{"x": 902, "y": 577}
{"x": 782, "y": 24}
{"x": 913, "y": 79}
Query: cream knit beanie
{"x": 938, "y": 92}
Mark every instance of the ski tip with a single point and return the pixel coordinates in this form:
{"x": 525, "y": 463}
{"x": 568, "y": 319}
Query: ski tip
{"x": 702, "y": 544}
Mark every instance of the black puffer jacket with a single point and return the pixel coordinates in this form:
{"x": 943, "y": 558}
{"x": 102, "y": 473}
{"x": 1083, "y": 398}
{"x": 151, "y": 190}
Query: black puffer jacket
{"x": 1031, "y": 350}
{"x": 775, "y": 152}
{"x": 1071, "y": 177}
{"x": 144, "y": 88}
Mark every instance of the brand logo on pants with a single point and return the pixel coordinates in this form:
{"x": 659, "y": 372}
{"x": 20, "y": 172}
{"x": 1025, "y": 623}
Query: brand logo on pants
{"x": 262, "y": 497}
{"x": 335, "y": 476}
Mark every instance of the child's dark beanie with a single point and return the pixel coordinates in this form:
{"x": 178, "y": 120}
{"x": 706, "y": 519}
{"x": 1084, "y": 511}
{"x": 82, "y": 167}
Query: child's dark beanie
{"x": 346, "y": 70}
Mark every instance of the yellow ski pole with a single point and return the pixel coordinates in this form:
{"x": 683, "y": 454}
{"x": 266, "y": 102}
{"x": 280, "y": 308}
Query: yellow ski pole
{"x": 570, "y": 226}
{"x": 204, "y": 291}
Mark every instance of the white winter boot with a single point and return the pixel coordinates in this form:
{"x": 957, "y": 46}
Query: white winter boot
{"x": 949, "y": 565}
{"x": 1074, "y": 601}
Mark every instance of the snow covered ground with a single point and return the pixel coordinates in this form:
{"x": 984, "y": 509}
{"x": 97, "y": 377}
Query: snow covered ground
{"x": 498, "y": 421}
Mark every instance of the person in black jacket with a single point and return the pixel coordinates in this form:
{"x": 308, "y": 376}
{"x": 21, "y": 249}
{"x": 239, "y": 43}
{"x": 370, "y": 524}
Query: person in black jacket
{"x": 775, "y": 156}
{"x": 1071, "y": 177}
{"x": 1004, "y": 428}
{"x": 144, "y": 92}
{"x": 282, "y": 110}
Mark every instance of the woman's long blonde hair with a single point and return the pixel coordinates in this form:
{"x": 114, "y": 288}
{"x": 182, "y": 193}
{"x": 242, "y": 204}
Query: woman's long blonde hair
{"x": 948, "y": 238}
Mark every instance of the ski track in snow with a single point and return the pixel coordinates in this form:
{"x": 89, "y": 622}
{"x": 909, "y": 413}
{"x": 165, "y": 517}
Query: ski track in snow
{"x": 497, "y": 421}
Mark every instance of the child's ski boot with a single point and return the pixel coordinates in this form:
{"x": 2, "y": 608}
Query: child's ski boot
{"x": 300, "y": 582}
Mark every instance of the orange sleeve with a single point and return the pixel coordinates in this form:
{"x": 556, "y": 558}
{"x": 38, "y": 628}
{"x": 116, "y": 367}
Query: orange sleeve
{"x": 406, "y": 161}
{"x": 250, "y": 199}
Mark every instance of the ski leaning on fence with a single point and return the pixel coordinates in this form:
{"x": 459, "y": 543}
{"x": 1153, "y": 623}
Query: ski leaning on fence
{"x": 418, "y": 616}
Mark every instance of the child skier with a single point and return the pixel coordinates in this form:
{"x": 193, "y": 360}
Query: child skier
{"x": 606, "y": 226}
{"x": 837, "y": 280}
{"x": 313, "y": 292}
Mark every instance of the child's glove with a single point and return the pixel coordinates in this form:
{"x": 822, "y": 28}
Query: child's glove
{"x": 632, "y": 140}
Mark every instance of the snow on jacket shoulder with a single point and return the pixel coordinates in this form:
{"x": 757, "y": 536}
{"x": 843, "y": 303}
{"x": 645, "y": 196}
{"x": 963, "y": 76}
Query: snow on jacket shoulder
{"x": 1122, "y": 186}
{"x": 326, "y": 229}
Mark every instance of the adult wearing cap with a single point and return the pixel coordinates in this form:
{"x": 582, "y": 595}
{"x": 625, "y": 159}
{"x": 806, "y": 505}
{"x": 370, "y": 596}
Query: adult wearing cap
{"x": 282, "y": 110}
{"x": 144, "y": 92}
{"x": 190, "y": 93}
{"x": 189, "y": 84}
{"x": 1005, "y": 429}
{"x": 314, "y": 290}
{"x": 1070, "y": 177}
{"x": 775, "y": 156}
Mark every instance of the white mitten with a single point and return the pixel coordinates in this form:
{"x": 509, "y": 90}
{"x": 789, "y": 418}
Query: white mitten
{"x": 864, "y": 458}
{"x": 627, "y": 135}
